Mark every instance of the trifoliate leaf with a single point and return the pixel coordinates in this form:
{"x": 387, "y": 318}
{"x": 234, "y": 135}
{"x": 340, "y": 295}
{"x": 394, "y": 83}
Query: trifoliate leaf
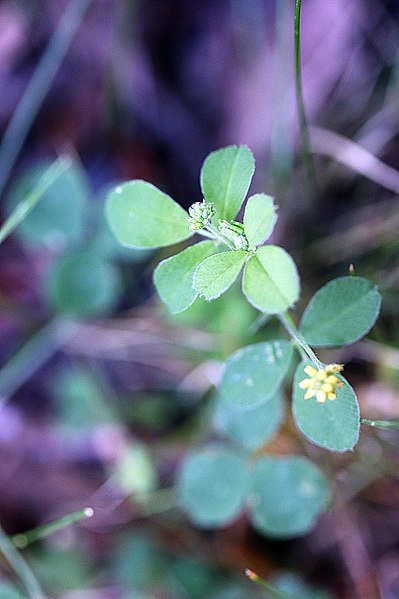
{"x": 288, "y": 494}
{"x": 260, "y": 216}
{"x": 213, "y": 485}
{"x": 270, "y": 281}
{"x": 253, "y": 426}
{"x": 215, "y": 274}
{"x": 332, "y": 424}
{"x": 58, "y": 218}
{"x": 253, "y": 374}
{"x": 225, "y": 179}
{"x": 142, "y": 216}
{"x": 341, "y": 312}
{"x": 82, "y": 284}
{"x": 173, "y": 277}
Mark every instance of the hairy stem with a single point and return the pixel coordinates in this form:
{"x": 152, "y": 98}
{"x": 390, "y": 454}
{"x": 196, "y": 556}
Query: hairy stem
{"x": 380, "y": 423}
{"x": 291, "y": 329}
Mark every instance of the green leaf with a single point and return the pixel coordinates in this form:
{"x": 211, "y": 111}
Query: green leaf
{"x": 289, "y": 493}
{"x": 225, "y": 179}
{"x": 270, "y": 282}
{"x": 213, "y": 485}
{"x": 173, "y": 277}
{"x": 215, "y": 274}
{"x": 253, "y": 374}
{"x": 9, "y": 591}
{"x": 58, "y": 219}
{"x": 260, "y": 216}
{"x": 139, "y": 564}
{"x": 142, "y": 216}
{"x": 341, "y": 312}
{"x": 81, "y": 284}
{"x": 333, "y": 424}
{"x": 252, "y": 427}
{"x": 294, "y": 587}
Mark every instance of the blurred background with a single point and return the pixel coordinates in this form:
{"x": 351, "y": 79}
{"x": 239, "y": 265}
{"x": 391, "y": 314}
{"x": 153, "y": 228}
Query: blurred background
{"x": 102, "y": 392}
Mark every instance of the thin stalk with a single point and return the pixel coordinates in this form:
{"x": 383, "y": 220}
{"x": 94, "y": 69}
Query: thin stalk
{"x": 291, "y": 329}
{"x": 55, "y": 170}
{"x": 271, "y": 591}
{"x": 220, "y": 237}
{"x": 20, "y": 567}
{"x": 380, "y": 423}
{"x": 303, "y": 123}
{"x": 33, "y": 355}
{"x": 29, "y": 105}
{"x": 24, "y": 539}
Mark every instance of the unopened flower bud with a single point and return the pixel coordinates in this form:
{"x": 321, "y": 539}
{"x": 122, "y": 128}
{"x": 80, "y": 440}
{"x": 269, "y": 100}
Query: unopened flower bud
{"x": 201, "y": 214}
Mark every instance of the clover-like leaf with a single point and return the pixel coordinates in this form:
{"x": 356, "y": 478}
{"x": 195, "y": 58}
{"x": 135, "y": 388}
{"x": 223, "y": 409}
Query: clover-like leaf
{"x": 252, "y": 427}
{"x": 213, "y": 485}
{"x": 173, "y": 277}
{"x": 332, "y": 424}
{"x": 82, "y": 284}
{"x": 341, "y": 312}
{"x": 58, "y": 218}
{"x": 260, "y": 216}
{"x": 270, "y": 282}
{"x": 142, "y": 216}
{"x": 289, "y": 494}
{"x": 225, "y": 179}
{"x": 218, "y": 272}
{"x": 253, "y": 374}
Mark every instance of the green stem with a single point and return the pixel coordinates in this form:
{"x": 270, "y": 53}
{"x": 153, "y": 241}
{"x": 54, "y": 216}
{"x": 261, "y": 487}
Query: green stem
{"x": 20, "y": 567}
{"x": 380, "y": 423}
{"x": 29, "y": 105}
{"x": 24, "y": 539}
{"x": 303, "y": 123}
{"x": 220, "y": 237}
{"x": 271, "y": 591}
{"x": 291, "y": 329}
{"x": 33, "y": 355}
{"x": 55, "y": 170}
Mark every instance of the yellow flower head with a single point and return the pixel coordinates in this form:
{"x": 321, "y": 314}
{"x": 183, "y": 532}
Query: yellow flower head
{"x": 323, "y": 383}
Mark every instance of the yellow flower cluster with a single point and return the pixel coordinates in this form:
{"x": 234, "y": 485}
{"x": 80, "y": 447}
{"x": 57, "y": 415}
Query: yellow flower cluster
{"x": 322, "y": 383}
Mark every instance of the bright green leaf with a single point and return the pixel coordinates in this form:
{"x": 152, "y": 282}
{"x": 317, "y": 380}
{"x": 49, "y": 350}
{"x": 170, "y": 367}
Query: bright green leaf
{"x": 332, "y": 424}
{"x": 341, "y": 312}
{"x": 252, "y": 427}
{"x": 215, "y": 274}
{"x": 260, "y": 216}
{"x": 288, "y": 494}
{"x": 225, "y": 179}
{"x": 213, "y": 485}
{"x": 81, "y": 284}
{"x": 253, "y": 374}
{"x": 270, "y": 282}
{"x": 58, "y": 218}
{"x": 142, "y": 216}
{"x": 173, "y": 277}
